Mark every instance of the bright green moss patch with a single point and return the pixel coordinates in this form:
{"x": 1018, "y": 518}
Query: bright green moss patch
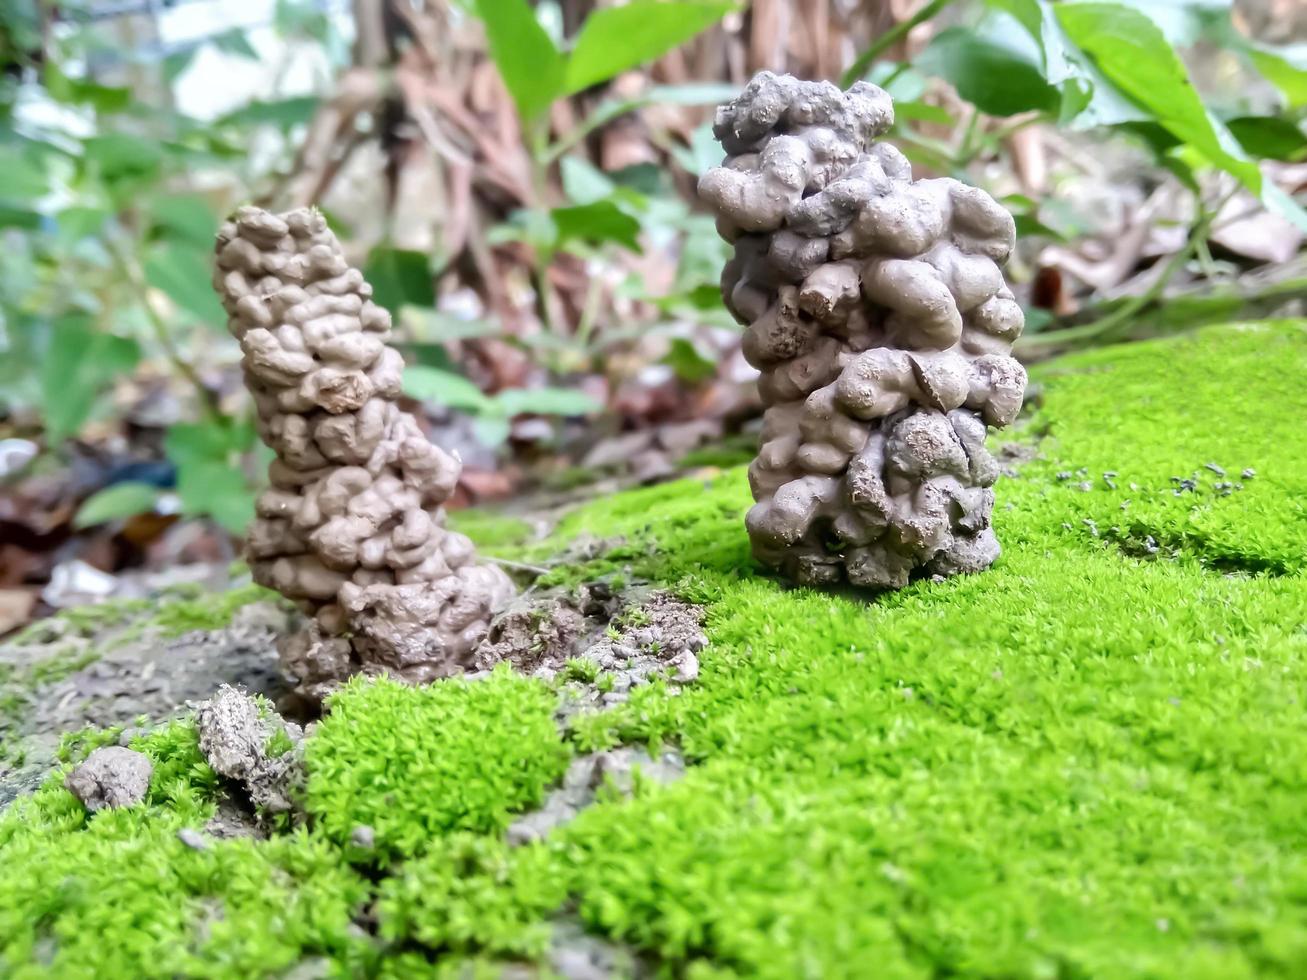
{"x": 209, "y": 611}
{"x": 1090, "y": 760}
{"x": 1078, "y": 763}
{"x": 471, "y": 894}
{"x": 653, "y": 532}
{"x": 493, "y": 533}
{"x": 118, "y": 894}
{"x": 1202, "y": 409}
{"x": 182, "y": 609}
{"x": 416, "y": 763}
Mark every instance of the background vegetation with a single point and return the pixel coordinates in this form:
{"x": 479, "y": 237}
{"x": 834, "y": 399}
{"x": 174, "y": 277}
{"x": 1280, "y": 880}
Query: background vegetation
{"x": 517, "y": 181}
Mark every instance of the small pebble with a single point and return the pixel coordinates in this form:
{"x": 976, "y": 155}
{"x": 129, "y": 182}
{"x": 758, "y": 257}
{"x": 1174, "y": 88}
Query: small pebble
{"x": 1248, "y": 473}
{"x": 1215, "y": 468}
{"x": 193, "y": 839}
{"x": 364, "y": 837}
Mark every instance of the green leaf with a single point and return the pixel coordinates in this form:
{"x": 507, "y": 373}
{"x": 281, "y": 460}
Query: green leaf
{"x": 178, "y": 61}
{"x": 531, "y": 67}
{"x": 922, "y": 112}
{"x": 1281, "y": 203}
{"x": 216, "y": 442}
{"x": 116, "y": 502}
{"x": 684, "y": 358}
{"x": 583, "y": 182}
{"x": 598, "y": 221}
{"x": 283, "y": 113}
{"x": 234, "y": 41}
{"x": 301, "y": 19}
{"x": 1283, "y": 70}
{"x": 184, "y": 216}
{"x": 24, "y": 176}
{"x": 17, "y": 216}
{"x": 211, "y": 489}
{"x": 1025, "y": 212}
{"x": 545, "y": 401}
{"x": 78, "y": 91}
{"x": 615, "y": 39}
{"x": 491, "y": 430}
{"x": 702, "y": 154}
{"x": 692, "y": 93}
{"x": 1134, "y": 54}
{"x": 79, "y": 364}
{"x": 398, "y": 277}
{"x": 118, "y": 156}
{"x": 181, "y": 271}
{"x": 1000, "y": 77}
{"x": 210, "y": 481}
{"x": 76, "y": 223}
{"x": 1269, "y": 137}
{"x": 1088, "y": 97}
{"x": 445, "y": 387}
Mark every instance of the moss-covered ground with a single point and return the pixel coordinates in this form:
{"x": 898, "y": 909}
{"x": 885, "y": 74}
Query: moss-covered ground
{"x": 1090, "y": 761}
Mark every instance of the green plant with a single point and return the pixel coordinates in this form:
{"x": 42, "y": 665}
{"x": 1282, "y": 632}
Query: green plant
{"x": 537, "y": 73}
{"x": 1104, "y": 66}
{"x": 105, "y": 214}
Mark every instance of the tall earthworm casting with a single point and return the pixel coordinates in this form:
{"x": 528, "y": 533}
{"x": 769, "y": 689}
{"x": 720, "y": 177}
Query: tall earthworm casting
{"x": 352, "y": 527}
{"x": 879, "y": 319}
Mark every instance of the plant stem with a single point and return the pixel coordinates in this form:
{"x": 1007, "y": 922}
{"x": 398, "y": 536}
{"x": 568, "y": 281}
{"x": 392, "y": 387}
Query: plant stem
{"x": 538, "y": 149}
{"x": 888, "y": 40}
{"x": 589, "y": 312}
{"x": 602, "y": 114}
{"x": 130, "y": 271}
{"x": 1107, "y": 327}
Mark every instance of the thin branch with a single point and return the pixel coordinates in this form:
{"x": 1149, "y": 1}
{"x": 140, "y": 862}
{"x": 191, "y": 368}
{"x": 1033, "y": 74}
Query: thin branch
{"x": 1107, "y": 327}
{"x": 519, "y": 565}
{"x": 887, "y": 40}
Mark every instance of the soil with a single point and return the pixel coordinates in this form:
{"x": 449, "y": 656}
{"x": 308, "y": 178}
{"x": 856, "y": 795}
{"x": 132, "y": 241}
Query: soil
{"x": 134, "y": 677}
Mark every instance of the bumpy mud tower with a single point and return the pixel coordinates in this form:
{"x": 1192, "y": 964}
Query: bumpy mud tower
{"x": 877, "y": 314}
{"x": 351, "y": 528}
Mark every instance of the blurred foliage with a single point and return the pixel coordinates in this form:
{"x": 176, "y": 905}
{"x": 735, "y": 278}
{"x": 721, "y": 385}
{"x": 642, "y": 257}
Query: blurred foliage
{"x": 110, "y": 197}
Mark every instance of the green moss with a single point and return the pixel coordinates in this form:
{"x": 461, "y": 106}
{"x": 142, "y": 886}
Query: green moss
{"x": 1077, "y": 763}
{"x": 76, "y": 746}
{"x": 416, "y": 763}
{"x": 209, "y": 611}
{"x": 177, "y": 610}
{"x": 493, "y": 533}
{"x": 572, "y": 477}
{"x": 581, "y": 669}
{"x": 118, "y": 894}
{"x": 652, "y": 532}
{"x": 1080, "y": 763}
{"x": 19, "y": 686}
{"x": 735, "y": 450}
{"x": 82, "y": 621}
{"x": 471, "y": 894}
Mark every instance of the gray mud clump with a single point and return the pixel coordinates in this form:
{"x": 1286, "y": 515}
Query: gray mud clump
{"x": 657, "y": 636}
{"x": 238, "y": 740}
{"x": 111, "y": 777}
{"x": 352, "y": 527}
{"x": 879, "y": 319}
